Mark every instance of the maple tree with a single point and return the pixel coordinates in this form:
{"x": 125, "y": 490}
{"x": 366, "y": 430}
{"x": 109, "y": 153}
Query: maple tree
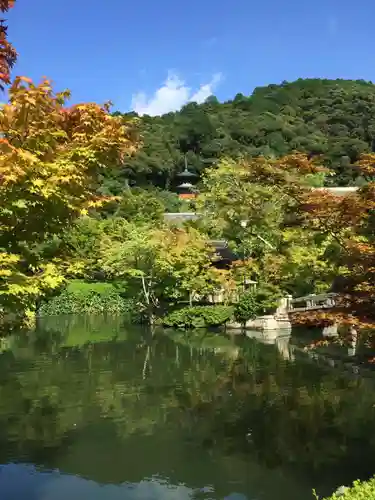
{"x": 299, "y": 266}
{"x": 50, "y": 159}
{"x": 349, "y": 221}
{"x": 248, "y": 202}
{"x": 8, "y": 54}
{"x": 256, "y": 190}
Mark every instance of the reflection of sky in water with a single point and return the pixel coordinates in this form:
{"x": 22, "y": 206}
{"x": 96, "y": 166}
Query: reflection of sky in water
{"x": 24, "y": 482}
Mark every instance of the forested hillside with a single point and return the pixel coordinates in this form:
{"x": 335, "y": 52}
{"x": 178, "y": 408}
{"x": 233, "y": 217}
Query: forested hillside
{"x": 332, "y": 118}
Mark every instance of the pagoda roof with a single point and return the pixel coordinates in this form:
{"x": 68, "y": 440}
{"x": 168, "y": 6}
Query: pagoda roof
{"x": 186, "y": 173}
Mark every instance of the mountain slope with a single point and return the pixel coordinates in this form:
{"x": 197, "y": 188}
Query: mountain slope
{"x": 332, "y": 118}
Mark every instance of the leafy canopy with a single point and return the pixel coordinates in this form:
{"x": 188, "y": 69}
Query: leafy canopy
{"x": 160, "y": 262}
{"x": 50, "y": 159}
{"x": 349, "y": 223}
{"x": 334, "y": 119}
{"x": 246, "y": 201}
{"x": 8, "y": 54}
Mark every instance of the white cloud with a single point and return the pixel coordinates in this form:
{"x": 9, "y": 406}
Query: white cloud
{"x": 172, "y": 96}
{"x": 206, "y": 90}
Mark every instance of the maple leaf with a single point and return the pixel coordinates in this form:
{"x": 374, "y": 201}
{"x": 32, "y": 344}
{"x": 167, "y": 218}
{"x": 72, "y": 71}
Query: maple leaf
{"x": 49, "y": 167}
{"x": 8, "y": 54}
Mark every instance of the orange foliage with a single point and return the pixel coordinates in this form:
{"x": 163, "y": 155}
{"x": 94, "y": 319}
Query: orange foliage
{"x": 329, "y": 212}
{"x": 8, "y": 54}
{"x": 50, "y": 161}
{"x": 350, "y": 220}
{"x": 50, "y": 158}
{"x": 281, "y": 171}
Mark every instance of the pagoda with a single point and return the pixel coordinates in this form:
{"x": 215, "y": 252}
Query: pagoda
{"x": 186, "y": 190}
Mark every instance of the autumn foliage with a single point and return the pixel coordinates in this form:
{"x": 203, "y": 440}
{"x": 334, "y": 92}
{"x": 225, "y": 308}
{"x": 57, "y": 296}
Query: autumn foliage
{"x": 350, "y": 221}
{"x": 50, "y": 156}
{"x": 50, "y": 160}
{"x": 8, "y": 54}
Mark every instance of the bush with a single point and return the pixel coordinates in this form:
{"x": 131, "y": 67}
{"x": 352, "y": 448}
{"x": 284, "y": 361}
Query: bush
{"x": 199, "y": 317}
{"x": 247, "y": 308}
{"x": 360, "y": 491}
{"x": 268, "y": 296}
{"x": 83, "y": 288}
{"x": 263, "y": 300}
{"x": 88, "y": 298}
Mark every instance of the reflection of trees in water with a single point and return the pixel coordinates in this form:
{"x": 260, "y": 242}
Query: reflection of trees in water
{"x": 48, "y": 397}
{"x": 292, "y": 413}
{"x": 211, "y": 390}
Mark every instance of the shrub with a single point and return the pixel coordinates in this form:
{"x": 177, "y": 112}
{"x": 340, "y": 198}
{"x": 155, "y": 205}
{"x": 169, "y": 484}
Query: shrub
{"x": 88, "y": 298}
{"x": 199, "y": 317}
{"x": 101, "y": 288}
{"x": 263, "y": 300}
{"x": 359, "y": 491}
{"x": 247, "y": 308}
{"x": 268, "y": 296}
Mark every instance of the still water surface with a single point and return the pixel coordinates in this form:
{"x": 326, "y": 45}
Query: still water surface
{"x": 92, "y": 409}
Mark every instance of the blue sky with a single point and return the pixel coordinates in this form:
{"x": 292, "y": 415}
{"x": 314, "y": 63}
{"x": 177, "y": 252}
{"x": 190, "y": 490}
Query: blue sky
{"x": 155, "y": 56}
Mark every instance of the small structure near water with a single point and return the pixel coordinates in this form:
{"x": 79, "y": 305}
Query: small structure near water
{"x": 271, "y": 323}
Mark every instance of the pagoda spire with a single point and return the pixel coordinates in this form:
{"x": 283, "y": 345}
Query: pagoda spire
{"x": 186, "y": 190}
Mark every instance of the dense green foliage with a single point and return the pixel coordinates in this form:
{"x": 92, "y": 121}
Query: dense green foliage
{"x": 247, "y": 201}
{"x": 254, "y": 203}
{"x": 332, "y": 118}
{"x": 247, "y": 308}
{"x": 262, "y": 300}
{"x": 199, "y": 317}
{"x": 360, "y": 491}
{"x": 82, "y": 298}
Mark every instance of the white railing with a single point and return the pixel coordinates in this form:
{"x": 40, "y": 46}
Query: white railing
{"x": 312, "y": 302}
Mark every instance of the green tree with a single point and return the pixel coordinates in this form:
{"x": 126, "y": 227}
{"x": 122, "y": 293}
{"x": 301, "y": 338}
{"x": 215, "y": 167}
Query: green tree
{"x": 140, "y": 205}
{"x": 50, "y": 158}
{"x": 301, "y": 264}
{"x": 160, "y": 264}
{"x": 246, "y": 201}
{"x": 328, "y": 118}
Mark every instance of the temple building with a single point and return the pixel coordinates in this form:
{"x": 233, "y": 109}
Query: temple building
{"x": 186, "y": 189}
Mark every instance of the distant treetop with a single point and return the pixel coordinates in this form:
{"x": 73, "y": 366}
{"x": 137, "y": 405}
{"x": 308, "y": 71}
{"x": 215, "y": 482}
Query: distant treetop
{"x": 333, "y": 119}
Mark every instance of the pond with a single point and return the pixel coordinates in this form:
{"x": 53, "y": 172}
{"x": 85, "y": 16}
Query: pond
{"x": 93, "y": 409}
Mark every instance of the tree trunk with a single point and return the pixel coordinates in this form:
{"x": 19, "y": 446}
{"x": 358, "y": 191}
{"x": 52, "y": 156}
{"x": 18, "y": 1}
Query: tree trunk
{"x": 149, "y": 306}
{"x": 151, "y": 316}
